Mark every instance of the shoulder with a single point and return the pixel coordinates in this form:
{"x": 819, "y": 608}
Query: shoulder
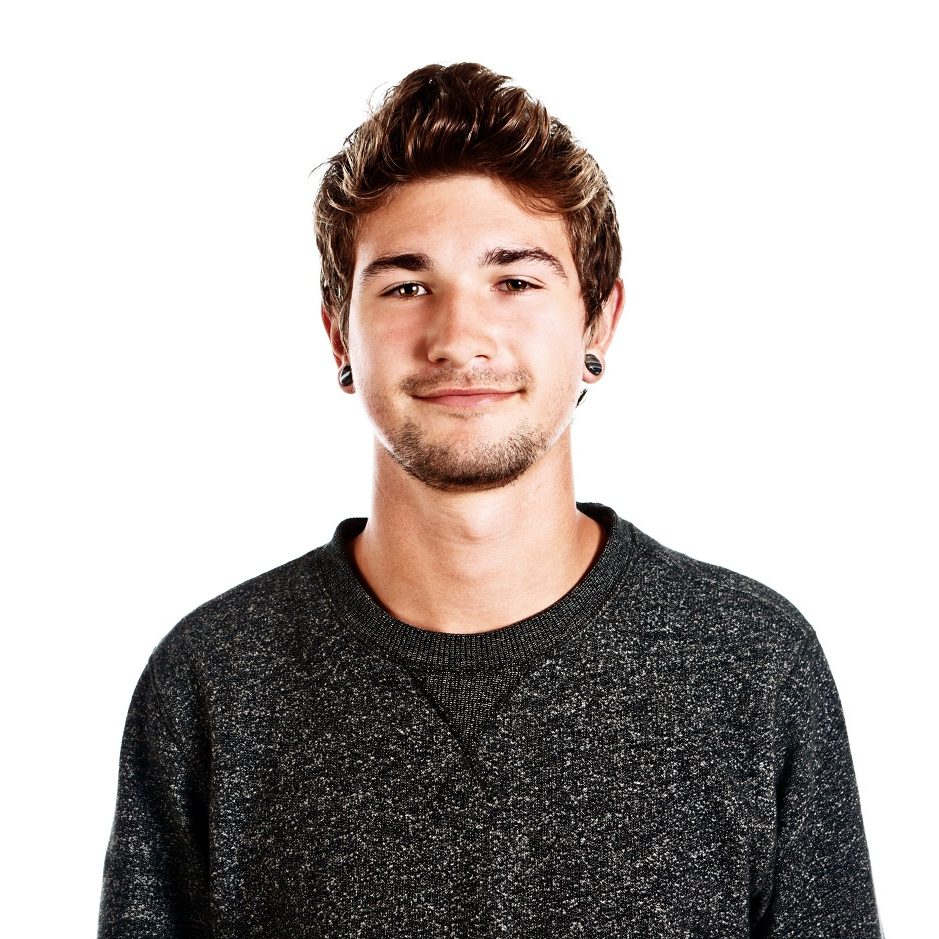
{"x": 248, "y": 628}
{"x": 704, "y": 605}
{"x": 740, "y": 652}
{"x": 227, "y": 665}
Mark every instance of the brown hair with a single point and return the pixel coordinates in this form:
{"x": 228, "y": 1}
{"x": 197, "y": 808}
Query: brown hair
{"x": 464, "y": 118}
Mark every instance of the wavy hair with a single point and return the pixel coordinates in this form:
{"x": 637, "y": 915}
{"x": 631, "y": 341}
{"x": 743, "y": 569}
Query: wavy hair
{"x": 440, "y": 120}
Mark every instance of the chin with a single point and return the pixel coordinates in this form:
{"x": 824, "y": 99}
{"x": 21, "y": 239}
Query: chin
{"x": 471, "y": 466}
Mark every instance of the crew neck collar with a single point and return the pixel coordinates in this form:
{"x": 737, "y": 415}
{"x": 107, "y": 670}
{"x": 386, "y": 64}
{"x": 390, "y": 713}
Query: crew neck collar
{"x": 514, "y": 643}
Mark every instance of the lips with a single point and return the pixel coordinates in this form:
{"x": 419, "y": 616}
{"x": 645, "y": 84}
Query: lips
{"x": 452, "y": 392}
{"x": 466, "y": 397}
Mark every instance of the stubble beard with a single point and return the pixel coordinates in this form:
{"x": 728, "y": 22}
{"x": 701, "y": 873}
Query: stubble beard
{"x": 461, "y": 468}
{"x": 469, "y": 465}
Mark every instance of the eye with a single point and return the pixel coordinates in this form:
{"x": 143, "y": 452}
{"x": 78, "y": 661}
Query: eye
{"x": 406, "y": 291}
{"x": 517, "y": 285}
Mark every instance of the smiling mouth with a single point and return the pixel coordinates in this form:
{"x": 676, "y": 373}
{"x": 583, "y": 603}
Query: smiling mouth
{"x": 466, "y": 397}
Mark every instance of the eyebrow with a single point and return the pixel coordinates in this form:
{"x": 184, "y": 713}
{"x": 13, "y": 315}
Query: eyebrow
{"x": 494, "y": 257}
{"x": 389, "y": 262}
{"x": 505, "y": 256}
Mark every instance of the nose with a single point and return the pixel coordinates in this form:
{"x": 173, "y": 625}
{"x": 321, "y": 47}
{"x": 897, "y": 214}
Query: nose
{"x": 459, "y": 330}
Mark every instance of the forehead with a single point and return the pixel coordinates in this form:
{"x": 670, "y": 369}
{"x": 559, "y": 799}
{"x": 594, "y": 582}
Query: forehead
{"x": 450, "y": 215}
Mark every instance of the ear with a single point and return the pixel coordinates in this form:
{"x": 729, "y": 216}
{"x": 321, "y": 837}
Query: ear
{"x": 331, "y": 323}
{"x": 597, "y": 339}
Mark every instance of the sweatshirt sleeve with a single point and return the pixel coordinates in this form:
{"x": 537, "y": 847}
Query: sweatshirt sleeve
{"x": 156, "y": 867}
{"x": 821, "y": 883}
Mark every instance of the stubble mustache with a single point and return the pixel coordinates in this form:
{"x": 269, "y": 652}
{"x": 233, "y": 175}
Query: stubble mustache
{"x": 503, "y": 379}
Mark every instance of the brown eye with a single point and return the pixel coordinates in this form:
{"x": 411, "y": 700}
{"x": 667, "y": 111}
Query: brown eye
{"x": 517, "y": 285}
{"x": 406, "y": 291}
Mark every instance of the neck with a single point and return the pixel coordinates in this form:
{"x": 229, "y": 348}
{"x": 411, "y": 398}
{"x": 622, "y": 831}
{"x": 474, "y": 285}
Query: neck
{"x": 468, "y": 562}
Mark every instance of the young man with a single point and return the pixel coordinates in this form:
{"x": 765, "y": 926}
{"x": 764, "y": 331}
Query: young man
{"x": 486, "y": 709}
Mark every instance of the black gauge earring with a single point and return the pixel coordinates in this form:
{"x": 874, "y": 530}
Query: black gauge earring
{"x": 594, "y": 365}
{"x": 345, "y": 376}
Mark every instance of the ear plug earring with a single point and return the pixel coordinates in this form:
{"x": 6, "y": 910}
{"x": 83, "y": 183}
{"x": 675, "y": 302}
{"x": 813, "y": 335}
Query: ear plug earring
{"x": 345, "y": 376}
{"x": 594, "y": 365}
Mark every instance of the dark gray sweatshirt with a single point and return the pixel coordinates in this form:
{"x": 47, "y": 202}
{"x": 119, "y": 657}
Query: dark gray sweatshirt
{"x": 659, "y": 754}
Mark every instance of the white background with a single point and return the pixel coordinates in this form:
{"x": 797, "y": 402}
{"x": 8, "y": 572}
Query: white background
{"x": 171, "y": 416}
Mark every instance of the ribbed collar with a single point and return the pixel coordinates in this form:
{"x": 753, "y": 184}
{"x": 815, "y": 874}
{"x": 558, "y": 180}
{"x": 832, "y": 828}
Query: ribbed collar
{"x": 515, "y": 643}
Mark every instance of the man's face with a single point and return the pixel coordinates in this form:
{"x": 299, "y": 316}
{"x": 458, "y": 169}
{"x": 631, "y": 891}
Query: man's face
{"x": 466, "y": 331}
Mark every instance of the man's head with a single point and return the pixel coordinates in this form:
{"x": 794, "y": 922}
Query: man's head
{"x": 470, "y": 267}
{"x": 456, "y": 119}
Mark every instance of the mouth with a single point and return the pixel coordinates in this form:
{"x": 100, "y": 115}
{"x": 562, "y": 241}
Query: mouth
{"x": 466, "y": 397}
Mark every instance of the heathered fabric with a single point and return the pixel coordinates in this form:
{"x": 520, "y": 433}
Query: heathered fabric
{"x": 661, "y": 753}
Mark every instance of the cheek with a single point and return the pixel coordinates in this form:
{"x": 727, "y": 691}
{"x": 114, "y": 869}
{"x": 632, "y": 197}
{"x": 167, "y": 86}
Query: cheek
{"x": 374, "y": 338}
{"x": 378, "y": 364}
{"x": 560, "y": 351}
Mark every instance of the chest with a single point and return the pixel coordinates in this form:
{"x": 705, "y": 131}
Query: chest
{"x": 593, "y": 801}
